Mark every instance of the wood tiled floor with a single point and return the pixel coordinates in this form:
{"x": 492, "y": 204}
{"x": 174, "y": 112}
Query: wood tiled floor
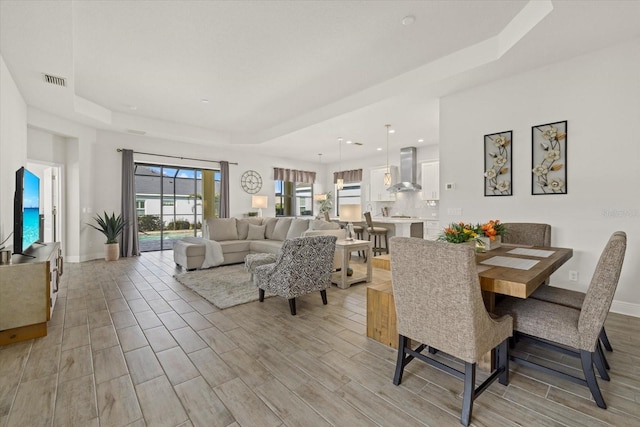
{"x": 130, "y": 346}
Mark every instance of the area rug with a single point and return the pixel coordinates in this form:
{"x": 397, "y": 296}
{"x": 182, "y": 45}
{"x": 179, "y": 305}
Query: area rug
{"x": 223, "y": 287}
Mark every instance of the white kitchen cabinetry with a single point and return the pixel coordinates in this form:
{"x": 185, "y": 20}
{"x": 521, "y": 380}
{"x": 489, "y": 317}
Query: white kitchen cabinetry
{"x": 378, "y": 191}
{"x": 432, "y": 230}
{"x": 431, "y": 181}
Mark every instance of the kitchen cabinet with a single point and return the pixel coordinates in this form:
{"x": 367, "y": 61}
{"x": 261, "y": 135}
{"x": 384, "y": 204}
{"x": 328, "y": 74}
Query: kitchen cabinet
{"x": 378, "y": 191}
{"x": 432, "y": 230}
{"x": 431, "y": 181}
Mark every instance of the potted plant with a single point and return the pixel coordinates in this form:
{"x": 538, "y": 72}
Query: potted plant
{"x": 111, "y": 227}
{"x": 490, "y": 234}
{"x": 325, "y": 204}
{"x": 460, "y": 233}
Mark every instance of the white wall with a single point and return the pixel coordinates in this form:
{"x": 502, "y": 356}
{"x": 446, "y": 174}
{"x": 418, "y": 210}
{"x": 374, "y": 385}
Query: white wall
{"x": 13, "y": 145}
{"x": 599, "y": 95}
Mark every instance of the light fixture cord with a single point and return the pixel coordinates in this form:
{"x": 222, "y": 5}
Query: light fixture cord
{"x": 387, "y": 126}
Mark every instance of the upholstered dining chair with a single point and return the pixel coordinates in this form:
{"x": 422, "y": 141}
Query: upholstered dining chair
{"x": 439, "y": 304}
{"x": 303, "y": 266}
{"x": 567, "y": 329}
{"x": 377, "y": 233}
{"x": 527, "y": 233}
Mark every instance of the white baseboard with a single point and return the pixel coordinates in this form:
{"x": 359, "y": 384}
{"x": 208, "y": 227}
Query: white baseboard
{"x": 627, "y": 308}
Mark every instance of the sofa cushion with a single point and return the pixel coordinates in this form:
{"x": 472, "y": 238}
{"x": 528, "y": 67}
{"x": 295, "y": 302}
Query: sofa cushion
{"x": 221, "y": 229}
{"x": 316, "y": 224}
{"x": 281, "y": 229}
{"x": 242, "y": 224}
{"x": 270, "y": 224}
{"x": 297, "y": 227}
{"x": 266, "y": 246}
{"x": 232, "y": 246}
{"x": 256, "y": 232}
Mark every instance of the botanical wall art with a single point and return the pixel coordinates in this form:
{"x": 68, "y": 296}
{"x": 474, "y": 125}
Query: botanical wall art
{"x": 549, "y": 158}
{"x": 497, "y": 164}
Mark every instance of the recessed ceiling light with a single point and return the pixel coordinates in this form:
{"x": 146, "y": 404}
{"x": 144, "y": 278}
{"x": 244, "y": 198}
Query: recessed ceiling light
{"x": 421, "y": 140}
{"x": 392, "y": 131}
{"x": 408, "y": 20}
{"x": 131, "y": 107}
{"x": 349, "y": 141}
{"x": 204, "y": 101}
{"x": 379, "y": 149}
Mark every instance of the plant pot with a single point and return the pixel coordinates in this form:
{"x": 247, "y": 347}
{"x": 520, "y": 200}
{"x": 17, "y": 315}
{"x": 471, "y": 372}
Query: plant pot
{"x": 111, "y": 251}
{"x": 489, "y": 244}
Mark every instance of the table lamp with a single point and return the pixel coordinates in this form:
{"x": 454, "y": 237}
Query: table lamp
{"x": 349, "y": 214}
{"x": 259, "y": 202}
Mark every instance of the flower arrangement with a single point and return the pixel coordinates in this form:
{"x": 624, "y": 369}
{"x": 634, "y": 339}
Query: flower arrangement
{"x": 459, "y": 233}
{"x": 491, "y": 229}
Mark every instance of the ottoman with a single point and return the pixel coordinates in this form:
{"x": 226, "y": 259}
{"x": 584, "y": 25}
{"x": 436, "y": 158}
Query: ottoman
{"x": 251, "y": 261}
{"x": 189, "y": 256}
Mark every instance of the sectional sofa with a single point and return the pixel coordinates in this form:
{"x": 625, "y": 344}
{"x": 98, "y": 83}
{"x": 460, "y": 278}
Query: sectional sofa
{"x": 241, "y": 236}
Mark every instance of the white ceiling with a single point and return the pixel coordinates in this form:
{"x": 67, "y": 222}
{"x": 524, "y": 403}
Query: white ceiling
{"x": 287, "y": 74}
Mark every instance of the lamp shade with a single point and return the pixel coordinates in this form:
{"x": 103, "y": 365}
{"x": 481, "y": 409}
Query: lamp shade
{"x": 350, "y": 213}
{"x": 259, "y": 202}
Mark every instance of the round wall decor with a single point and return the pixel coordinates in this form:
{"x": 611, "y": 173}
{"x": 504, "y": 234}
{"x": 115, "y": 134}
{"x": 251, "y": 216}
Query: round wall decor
{"x": 251, "y": 182}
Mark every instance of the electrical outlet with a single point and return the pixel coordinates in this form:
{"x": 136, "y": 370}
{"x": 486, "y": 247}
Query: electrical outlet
{"x": 573, "y": 276}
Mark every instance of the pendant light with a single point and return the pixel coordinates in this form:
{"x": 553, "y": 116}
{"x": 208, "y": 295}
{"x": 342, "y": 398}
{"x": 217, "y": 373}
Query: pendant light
{"x": 340, "y": 181}
{"x": 387, "y": 175}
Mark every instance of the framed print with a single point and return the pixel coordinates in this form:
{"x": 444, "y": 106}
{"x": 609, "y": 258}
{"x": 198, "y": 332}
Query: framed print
{"x": 497, "y": 164}
{"x": 549, "y": 158}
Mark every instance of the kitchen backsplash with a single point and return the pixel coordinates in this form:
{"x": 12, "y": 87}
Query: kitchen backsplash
{"x": 406, "y": 204}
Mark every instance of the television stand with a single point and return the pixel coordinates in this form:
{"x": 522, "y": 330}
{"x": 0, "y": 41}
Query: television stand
{"x": 28, "y": 291}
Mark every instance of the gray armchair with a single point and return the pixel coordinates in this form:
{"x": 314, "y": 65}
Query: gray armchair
{"x": 439, "y": 304}
{"x": 572, "y": 331}
{"x": 303, "y": 266}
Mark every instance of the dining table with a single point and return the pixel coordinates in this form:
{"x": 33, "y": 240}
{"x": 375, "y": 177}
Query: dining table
{"x": 513, "y": 270}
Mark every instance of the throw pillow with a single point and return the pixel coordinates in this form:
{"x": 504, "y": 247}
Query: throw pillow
{"x": 221, "y": 229}
{"x": 256, "y": 232}
{"x": 281, "y": 229}
{"x": 297, "y": 227}
{"x": 270, "y": 223}
{"x": 243, "y": 226}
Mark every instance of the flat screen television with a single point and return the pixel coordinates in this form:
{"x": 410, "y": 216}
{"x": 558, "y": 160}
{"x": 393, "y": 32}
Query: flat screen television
{"x": 26, "y": 211}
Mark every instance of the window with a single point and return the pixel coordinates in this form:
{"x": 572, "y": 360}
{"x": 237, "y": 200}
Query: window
{"x": 349, "y": 195}
{"x": 140, "y": 207}
{"x": 293, "y": 199}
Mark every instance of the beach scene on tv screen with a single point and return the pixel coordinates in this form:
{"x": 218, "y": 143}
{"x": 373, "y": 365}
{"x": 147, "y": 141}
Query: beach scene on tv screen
{"x": 31, "y": 209}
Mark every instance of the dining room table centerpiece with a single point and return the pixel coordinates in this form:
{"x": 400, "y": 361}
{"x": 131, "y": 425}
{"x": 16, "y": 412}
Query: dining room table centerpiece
{"x": 490, "y": 234}
{"x": 460, "y": 233}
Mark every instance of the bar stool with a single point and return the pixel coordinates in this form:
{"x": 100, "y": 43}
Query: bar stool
{"x": 378, "y": 233}
{"x": 358, "y": 230}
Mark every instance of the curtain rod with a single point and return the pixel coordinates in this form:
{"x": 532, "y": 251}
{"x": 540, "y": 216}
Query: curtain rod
{"x": 119, "y": 150}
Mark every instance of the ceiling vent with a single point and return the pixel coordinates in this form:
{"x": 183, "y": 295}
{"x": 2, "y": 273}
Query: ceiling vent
{"x": 55, "y": 80}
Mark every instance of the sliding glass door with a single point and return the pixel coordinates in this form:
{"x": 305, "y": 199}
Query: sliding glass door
{"x": 170, "y": 202}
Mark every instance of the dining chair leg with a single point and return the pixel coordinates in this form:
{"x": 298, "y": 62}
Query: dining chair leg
{"x": 598, "y": 359}
{"x": 605, "y": 340}
{"x": 400, "y": 362}
{"x": 604, "y": 358}
{"x": 323, "y": 294}
{"x": 586, "y": 358}
{"x": 292, "y": 306}
{"x": 260, "y": 295}
{"x": 469, "y": 392}
{"x": 503, "y": 362}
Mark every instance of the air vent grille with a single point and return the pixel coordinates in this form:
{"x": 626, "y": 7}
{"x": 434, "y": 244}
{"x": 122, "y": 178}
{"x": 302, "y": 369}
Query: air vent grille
{"x": 55, "y": 80}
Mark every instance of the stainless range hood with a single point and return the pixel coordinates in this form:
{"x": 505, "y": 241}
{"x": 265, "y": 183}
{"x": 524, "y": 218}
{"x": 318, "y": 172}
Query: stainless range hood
{"x": 408, "y": 172}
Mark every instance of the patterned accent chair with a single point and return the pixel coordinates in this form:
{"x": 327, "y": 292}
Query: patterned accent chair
{"x": 303, "y": 266}
{"x": 439, "y": 304}
{"x": 572, "y": 331}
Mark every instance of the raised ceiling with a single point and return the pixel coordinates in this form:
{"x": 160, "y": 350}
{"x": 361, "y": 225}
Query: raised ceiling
{"x": 294, "y": 74}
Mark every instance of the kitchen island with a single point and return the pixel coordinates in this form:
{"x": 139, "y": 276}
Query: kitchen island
{"x": 403, "y": 227}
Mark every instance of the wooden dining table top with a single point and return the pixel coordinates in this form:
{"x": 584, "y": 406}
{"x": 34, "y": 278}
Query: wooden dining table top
{"x": 516, "y": 282}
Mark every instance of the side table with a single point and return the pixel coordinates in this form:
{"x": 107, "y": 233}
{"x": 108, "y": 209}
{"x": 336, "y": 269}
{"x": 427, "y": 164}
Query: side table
{"x": 346, "y": 247}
